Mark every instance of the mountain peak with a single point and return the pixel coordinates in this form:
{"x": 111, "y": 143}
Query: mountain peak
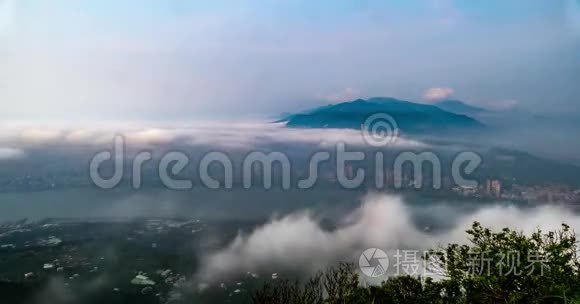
{"x": 410, "y": 117}
{"x": 358, "y": 100}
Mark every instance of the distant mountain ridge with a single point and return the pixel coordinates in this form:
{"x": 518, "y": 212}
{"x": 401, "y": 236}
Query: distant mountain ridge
{"x": 411, "y": 118}
{"x": 460, "y": 107}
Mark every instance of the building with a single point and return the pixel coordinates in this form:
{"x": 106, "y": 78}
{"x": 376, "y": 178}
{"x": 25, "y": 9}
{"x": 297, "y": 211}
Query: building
{"x": 465, "y": 190}
{"x": 493, "y": 188}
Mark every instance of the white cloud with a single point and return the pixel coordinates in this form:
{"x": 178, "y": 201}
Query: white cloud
{"x": 437, "y": 94}
{"x": 297, "y": 242}
{"x": 232, "y": 134}
{"x": 10, "y": 153}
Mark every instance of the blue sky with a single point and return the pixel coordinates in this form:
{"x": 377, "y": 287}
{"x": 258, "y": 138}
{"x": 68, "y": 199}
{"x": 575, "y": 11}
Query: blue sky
{"x": 165, "y": 59}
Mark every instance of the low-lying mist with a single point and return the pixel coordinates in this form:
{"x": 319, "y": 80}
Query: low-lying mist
{"x": 298, "y": 242}
{"x": 225, "y": 135}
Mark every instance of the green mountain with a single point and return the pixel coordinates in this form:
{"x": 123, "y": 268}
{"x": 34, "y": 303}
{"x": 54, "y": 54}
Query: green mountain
{"x": 411, "y": 118}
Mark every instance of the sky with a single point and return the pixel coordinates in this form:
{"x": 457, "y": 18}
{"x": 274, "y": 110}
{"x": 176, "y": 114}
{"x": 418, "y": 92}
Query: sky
{"x": 179, "y": 59}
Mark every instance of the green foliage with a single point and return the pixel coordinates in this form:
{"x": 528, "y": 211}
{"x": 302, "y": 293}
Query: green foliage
{"x": 514, "y": 268}
{"x": 496, "y": 267}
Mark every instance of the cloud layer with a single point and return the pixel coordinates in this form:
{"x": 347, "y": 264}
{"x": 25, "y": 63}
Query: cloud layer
{"x": 297, "y": 242}
{"x": 231, "y": 134}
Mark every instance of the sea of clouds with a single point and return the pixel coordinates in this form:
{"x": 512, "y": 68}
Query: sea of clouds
{"x": 231, "y": 134}
{"x": 298, "y": 241}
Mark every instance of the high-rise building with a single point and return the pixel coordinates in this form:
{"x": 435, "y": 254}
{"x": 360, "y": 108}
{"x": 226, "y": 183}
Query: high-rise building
{"x": 493, "y": 188}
